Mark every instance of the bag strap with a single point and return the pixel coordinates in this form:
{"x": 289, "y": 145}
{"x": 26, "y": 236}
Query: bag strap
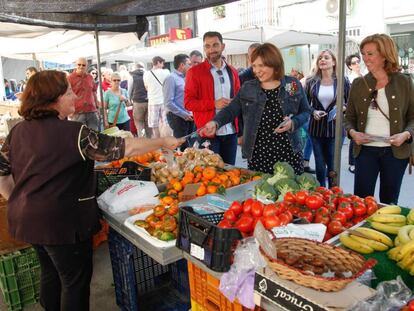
{"x": 117, "y": 111}
{"x": 379, "y": 108}
{"x": 156, "y": 77}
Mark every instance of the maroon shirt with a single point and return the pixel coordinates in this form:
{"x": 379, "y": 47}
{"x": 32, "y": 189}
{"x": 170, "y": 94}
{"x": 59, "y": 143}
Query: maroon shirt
{"x": 85, "y": 89}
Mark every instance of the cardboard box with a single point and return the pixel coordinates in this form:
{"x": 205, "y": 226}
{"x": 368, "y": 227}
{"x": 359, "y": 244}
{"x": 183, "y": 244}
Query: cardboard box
{"x": 270, "y": 290}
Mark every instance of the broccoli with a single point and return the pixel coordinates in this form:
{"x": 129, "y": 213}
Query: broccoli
{"x": 307, "y": 181}
{"x": 281, "y": 170}
{"x": 265, "y": 190}
{"x": 285, "y": 185}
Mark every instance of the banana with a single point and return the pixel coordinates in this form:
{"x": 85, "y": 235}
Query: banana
{"x": 403, "y": 233}
{"x": 385, "y": 227}
{"x": 405, "y": 249}
{"x": 407, "y": 261}
{"x": 397, "y": 241}
{"x": 377, "y": 246}
{"x": 411, "y": 270}
{"x": 397, "y": 224}
{"x": 354, "y": 244}
{"x": 411, "y": 235}
{"x": 385, "y": 218}
{"x": 389, "y": 209}
{"x": 410, "y": 217}
{"x": 392, "y": 253}
{"x": 375, "y": 235}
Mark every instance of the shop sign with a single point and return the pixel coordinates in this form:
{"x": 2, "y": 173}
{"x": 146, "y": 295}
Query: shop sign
{"x": 174, "y": 34}
{"x": 282, "y": 296}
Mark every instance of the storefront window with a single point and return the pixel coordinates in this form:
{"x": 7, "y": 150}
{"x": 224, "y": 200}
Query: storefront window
{"x": 405, "y": 46}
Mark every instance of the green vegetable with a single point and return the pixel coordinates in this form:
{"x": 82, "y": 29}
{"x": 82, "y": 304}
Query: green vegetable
{"x": 307, "y": 181}
{"x": 265, "y": 190}
{"x": 281, "y": 170}
{"x": 142, "y": 224}
{"x": 285, "y": 185}
{"x": 167, "y": 236}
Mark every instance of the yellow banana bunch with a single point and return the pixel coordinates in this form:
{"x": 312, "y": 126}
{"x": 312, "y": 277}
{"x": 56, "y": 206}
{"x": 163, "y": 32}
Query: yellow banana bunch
{"x": 410, "y": 217}
{"x": 354, "y": 244}
{"x": 388, "y": 220}
{"x": 389, "y": 209}
{"x": 375, "y": 235}
{"x": 404, "y": 233}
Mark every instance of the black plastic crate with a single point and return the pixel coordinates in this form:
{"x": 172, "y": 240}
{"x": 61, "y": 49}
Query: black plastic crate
{"x": 106, "y": 177}
{"x": 201, "y": 231}
{"x": 140, "y": 281}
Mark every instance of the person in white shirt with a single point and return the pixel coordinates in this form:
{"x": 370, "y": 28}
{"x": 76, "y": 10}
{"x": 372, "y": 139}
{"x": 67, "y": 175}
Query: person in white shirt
{"x": 153, "y": 81}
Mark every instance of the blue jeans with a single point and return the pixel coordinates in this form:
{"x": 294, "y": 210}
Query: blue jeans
{"x": 307, "y": 150}
{"x": 181, "y": 128}
{"x": 372, "y": 161}
{"x": 90, "y": 119}
{"x": 126, "y": 126}
{"x": 323, "y": 151}
{"x": 225, "y": 146}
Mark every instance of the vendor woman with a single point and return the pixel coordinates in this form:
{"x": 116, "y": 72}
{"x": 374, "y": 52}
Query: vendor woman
{"x": 47, "y": 175}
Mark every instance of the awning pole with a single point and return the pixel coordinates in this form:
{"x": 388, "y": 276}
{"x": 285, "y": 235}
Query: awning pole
{"x": 339, "y": 92}
{"x": 98, "y": 59}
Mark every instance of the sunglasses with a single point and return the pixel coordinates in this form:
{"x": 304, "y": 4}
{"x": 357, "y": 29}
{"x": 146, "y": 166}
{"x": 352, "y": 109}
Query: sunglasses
{"x": 116, "y": 80}
{"x": 355, "y": 62}
{"x": 373, "y": 100}
{"x": 81, "y": 65}
{"x": 221, "y": 78}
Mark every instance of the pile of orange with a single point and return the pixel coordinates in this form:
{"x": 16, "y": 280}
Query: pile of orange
{"x": 210, "y": 180}
{"x": 143, "y": 159}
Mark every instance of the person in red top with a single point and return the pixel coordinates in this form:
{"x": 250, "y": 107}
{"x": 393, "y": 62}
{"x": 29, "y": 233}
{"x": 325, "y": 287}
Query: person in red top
{"x": 106, "y": 78}
{"x": 86, "y": 103}
{"x": 209, "y": 87}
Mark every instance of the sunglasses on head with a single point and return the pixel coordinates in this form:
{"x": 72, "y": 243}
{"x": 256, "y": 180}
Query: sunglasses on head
{"x": 81, "y": 65}
{"x": 221, "y": 78}
{"x": 373, "y": 102}
{"x": 355, "y": 62}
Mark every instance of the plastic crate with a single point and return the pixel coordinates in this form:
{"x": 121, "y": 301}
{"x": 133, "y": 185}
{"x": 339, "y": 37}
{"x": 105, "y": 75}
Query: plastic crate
{"x": 20, "y": 278}
{"x": 140, "y": 281}
{"x": 205, "y": 293}
{"x": 218, "y": 244}
{"x": 106, "y": 177}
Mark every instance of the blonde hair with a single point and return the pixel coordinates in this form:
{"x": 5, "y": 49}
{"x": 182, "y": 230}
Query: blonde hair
{"x": 387, "y": 49}
{"x": 317, "y": 71}
{"x": 116, "y": 75}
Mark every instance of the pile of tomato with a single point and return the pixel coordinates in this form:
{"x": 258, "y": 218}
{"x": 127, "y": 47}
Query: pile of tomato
{"x": 331, "y": 207}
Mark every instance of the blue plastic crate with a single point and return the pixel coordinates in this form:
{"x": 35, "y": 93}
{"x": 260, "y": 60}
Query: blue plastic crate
{"x": 140, "y": 281}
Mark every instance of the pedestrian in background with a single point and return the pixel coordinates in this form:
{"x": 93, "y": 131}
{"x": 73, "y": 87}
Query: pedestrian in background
{"x": 196, "y": 57}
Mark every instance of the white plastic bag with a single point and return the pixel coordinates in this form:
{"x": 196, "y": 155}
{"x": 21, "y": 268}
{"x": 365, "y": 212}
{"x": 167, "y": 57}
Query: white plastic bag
{"x": 127, "y": 194}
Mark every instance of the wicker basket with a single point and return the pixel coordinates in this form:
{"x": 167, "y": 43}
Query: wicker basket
{"x": 336, "y": 258}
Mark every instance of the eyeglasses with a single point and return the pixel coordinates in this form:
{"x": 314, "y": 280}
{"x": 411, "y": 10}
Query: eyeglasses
{"x": 116, "y": 80}
{"x": 373, "y": 102}
{"x": 355, "y": 62}
{"x": 81, "y": 65}
{"x": 221, "y": 78}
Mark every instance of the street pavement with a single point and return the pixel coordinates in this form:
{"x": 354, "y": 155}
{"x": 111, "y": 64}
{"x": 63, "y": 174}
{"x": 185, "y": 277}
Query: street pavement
{"x": 406, "y": 198}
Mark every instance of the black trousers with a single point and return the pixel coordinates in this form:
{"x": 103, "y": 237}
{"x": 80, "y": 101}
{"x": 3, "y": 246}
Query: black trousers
{"x": 181, "y": 128}
{"x": 66, "y": 273}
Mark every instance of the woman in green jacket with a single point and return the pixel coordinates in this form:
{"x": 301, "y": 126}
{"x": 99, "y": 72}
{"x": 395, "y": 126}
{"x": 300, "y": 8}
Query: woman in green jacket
{"x": 380, "y": 120}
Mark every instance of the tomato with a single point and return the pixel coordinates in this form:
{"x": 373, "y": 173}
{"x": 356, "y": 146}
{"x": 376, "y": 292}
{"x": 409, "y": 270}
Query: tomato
{"x": 245, "y": 224}
{"x": 323, "y": 211}
{"x": 306, "y": 214}
{"x": 321, "y": 189}
{"x": 230, "y": 216}
{"x": 283, "y": 206}
{"x": 294, "y": 209}
{"x": 359, "y": 209}
{"x": 257, "y": 209}
{"x": 301, "y": 196}
{"x": 284, "y": 219}
{"x": 371, "y": 208}
{"x": 247, "y": 205}
{"x": 370, "y": 198}
{"x": 289, "y": 214}
{"x": 169, "y": 225}
{"x": 335, "y": 227}
{"x": 337, "y": 189}
{"x": 159, "y": 211}
{"x": 314, "y": 202}
{"x": 327, "y": 195}
{"x": 340, "y": 217}
{"x": 271, "y": 222}
{"x": 269, "y": 210}
{"x": 345, "y": 200}
{"x": 289, "y": 197}
{"x": 236, "y": 207}
{"x": 321, "y": 219}
{"x": 225, "y": 224}
{"x": 330, "y": 206}
{"x": 173, "y": 210}
{"x": 327, "y": 236}
{"x": 348, "y": 224}
{"x": 411, "y": 305}
{"x": 346, "y": 209}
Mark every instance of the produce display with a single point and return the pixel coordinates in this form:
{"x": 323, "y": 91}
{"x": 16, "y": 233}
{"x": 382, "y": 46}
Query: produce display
{"x": 162, "y": 223}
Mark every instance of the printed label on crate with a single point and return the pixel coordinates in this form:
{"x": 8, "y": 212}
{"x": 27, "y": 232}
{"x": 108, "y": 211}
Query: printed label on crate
{"x": 282, "y": 296}
{"x": 197, "y": 251}
{"x": 203, "y": 209}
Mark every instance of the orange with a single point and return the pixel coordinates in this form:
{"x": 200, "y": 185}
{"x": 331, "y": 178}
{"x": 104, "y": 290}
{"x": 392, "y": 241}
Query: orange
{"x": 177, "y": 186}
{"x": 209, "y": 173}
{"x": 211, "y": 189}
{"x": 201, "y": 190}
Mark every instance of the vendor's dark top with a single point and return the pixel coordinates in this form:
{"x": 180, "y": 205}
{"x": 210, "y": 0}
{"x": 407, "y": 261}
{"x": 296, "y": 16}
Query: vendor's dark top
{"x": 53, "y": 201}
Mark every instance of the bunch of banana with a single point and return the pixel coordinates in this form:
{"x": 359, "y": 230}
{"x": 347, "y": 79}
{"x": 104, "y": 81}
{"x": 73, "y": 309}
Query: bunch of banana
{"x": 403, "y": 253}
{"x": 388, "y": 219}
{"x": 366, "y": 240}
{"x": 410, "y": 217}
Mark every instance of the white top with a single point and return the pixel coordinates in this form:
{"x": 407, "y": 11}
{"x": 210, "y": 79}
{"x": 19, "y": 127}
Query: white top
{"x": 377, "y": 124}
{"x": 352, "y": 76}
{"x": 154, "y": 88}
{"x": 326, "y": 95}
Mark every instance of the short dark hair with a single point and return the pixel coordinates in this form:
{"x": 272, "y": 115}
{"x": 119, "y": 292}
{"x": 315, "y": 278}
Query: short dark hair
{"x": 196, "y": 53}
{"x": 157, "y": 59}
{"x": 349, "y": 58}
{"x": 42, "y": 91}
{"x": 210, "y": 34}
{"x": 271, "y": 57}
{"x": 32, "y": 69}
{"x": 179, "y": 59}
